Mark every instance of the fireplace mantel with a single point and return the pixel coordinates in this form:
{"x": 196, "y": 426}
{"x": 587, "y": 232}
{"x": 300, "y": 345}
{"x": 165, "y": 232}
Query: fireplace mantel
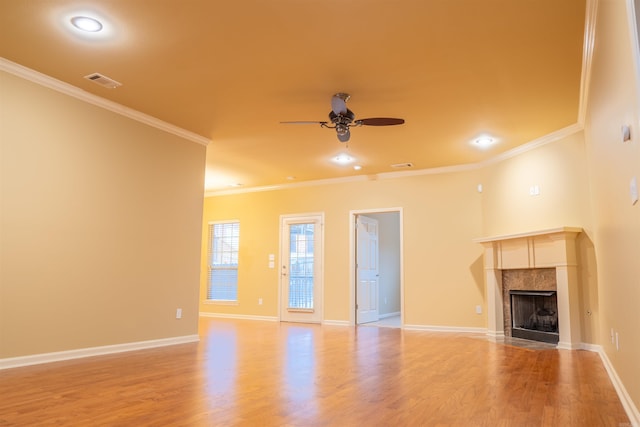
{"x": 555, "y": 248}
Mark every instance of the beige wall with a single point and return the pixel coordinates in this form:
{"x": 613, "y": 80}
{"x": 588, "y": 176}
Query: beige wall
{"x": 442, "y": 266}
{"x": 559, "y": 171}
{"x": 101, "y": 218}
{"x": 442, "y": 215}
{"x": 100, "y": 225}
{"x": 583, "y": 180}
{"x": 613, "y": 101}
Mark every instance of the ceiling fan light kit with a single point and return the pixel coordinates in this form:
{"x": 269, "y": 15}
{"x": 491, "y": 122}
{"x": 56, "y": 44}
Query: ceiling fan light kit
{"x": 343, "y": 119}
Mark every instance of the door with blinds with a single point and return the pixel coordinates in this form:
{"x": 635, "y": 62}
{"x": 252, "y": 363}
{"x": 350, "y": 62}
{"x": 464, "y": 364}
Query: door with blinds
{"x": 301, "y": 269}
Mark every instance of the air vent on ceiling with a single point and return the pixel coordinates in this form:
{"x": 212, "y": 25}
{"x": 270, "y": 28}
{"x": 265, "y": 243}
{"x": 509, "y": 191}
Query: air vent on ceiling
{"x": 402, "y": 165}
{"x": 103, "y": 80}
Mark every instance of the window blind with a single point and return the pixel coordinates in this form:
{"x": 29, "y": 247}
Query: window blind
{"x": 224, "y": 242}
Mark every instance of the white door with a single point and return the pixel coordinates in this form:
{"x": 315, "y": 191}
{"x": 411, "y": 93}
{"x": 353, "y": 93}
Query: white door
{"x": 367, "y": 272}
{"x": 301, "y": 268}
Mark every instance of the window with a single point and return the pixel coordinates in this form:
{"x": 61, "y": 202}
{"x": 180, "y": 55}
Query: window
{"x": 224, "y": 238}
{"x": 301, "y": 266}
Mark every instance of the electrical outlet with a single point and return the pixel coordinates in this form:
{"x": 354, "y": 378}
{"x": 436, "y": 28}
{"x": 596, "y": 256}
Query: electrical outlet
{"x": 178, "y": 313}
{"x": 478, "y": 309}
{"x": 259, "y": 301}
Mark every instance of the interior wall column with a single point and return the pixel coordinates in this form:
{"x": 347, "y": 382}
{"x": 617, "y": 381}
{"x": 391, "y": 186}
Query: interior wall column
{"x": 495, "y": 318}
{"x": 493, "y": 284}
{"x": 568, "y": 320}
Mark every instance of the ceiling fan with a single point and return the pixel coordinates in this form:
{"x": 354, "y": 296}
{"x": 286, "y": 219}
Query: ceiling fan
{"x": 342, "y": 119}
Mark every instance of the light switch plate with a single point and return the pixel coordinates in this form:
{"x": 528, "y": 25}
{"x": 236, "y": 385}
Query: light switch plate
{"x": 626, "y": 133}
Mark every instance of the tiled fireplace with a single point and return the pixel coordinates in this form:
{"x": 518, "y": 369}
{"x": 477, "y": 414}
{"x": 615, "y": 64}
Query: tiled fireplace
{"x": 532, "y": 286}
{"x": 530, "y": 304}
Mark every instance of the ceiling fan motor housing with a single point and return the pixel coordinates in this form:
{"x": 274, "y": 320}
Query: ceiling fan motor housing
{"x": 342, "y": 122}
{"x": 342, "y": 118}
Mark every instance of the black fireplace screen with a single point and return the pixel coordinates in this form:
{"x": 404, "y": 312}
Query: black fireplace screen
{"x": 534, "y": 315}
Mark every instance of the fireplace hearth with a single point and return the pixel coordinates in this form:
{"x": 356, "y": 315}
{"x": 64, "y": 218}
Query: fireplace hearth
{"x": 534, "y": 315}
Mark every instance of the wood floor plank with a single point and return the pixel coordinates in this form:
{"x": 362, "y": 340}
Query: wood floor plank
{"x": 256, "y": 373}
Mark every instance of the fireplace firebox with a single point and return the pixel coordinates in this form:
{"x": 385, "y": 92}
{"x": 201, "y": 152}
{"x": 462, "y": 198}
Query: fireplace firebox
{"x": 534, "y": 315}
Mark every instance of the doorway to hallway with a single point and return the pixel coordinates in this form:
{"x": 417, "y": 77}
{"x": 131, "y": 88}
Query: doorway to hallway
{"x": 376, "y": 261}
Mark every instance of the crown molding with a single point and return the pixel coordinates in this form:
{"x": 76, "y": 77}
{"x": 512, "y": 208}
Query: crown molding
{"x": 532, "y": 145}
{"x": 67, "y": 89}
{"x": 536, "y": 143}
{"x": 588, "y": 44}
{"x": 585, "y": 78}
{"x": 50, "y": 82}
{"x": 288, "y": 186}
{"x": 635, "y": 42}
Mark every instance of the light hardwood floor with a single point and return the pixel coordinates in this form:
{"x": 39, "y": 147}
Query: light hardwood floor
{"x": 255, "y": 373}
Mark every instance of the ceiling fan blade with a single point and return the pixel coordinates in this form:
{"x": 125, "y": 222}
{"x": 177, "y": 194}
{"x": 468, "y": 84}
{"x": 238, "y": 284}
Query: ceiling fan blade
{"x": 304, "y": 123}
{"x": 339, "y": 103}
{"x": 380, "y": 121}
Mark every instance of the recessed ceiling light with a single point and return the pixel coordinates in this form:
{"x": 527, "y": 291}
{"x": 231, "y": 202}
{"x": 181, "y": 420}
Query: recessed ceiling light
{"x": 85, "y": 23}
{"x": 357, "y": 167}
{"x": 236, "y": 184}
{"x": 343, "y": 159}
{"x": 484, "y": 141}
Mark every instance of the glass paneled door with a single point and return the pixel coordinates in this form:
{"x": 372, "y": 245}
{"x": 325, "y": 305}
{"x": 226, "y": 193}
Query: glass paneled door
{"x": 301, "y": 269}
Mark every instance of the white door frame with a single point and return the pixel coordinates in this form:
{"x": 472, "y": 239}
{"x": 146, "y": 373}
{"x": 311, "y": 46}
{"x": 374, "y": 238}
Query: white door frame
{"x": 352, "y": 259}
{"x": 315, "y": 216}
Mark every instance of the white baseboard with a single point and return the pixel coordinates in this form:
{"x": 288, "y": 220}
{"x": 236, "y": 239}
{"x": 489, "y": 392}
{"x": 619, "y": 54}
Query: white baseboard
{"x": 495, "y": 336}
{"x": 591, "y": 347}
{"x": 563, "y": 345}
{"x": 629, "y": 407}
{"x": 454, "y": 329}
{"x": 336, "y": 322}
{"x": 238, "y": 316}
{"x": 36, "y": 359}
